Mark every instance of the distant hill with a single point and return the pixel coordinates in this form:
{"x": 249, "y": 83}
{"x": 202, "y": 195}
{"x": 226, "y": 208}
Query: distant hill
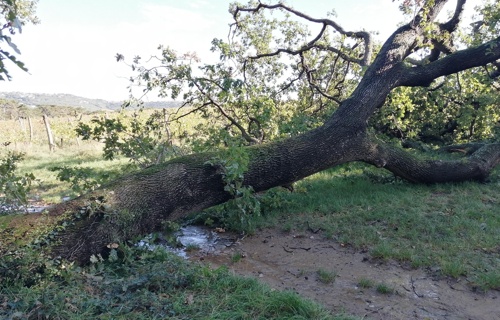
{"x": 69, "y": 100}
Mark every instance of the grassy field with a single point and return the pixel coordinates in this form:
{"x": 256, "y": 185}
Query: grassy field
{"x": 451, "y": 230}
{"x": 48, "y": 189}
{"x": 70, "y": 149}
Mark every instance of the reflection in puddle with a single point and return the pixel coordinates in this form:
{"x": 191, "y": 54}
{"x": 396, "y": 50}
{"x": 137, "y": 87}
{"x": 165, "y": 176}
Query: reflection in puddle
{"x": 193, "y": 238}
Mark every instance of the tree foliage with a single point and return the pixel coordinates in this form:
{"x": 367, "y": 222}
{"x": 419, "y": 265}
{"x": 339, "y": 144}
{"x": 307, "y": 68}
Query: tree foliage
{"x": 14, "y": 14}
{"x": 456, "y": 109}
{"x": 248, "y": 98}
{"x": 14, "y": 188}
{"x": 146, "y": 139}
{"x": 274, "y": 80}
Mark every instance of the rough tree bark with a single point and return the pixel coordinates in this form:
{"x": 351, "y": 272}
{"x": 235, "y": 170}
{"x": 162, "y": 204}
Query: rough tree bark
{"x": 138, "y": 204}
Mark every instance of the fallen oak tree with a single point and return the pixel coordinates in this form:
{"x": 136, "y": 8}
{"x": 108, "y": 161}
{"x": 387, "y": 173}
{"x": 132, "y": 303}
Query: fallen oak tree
{"x": 139, "y": 203}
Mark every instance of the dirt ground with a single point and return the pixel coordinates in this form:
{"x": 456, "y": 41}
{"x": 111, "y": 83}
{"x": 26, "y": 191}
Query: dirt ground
{"x": 291, "y": 261}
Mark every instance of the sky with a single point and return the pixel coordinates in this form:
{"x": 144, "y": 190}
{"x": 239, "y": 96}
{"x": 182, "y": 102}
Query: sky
{"x": 73, "y": 49}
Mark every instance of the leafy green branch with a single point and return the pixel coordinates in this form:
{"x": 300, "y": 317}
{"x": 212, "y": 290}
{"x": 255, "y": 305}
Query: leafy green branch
{"x": 232, "y": 164}
{"x": 13, "y": 15}
{"x": 144, "y": 139}
{"x": 14, "y": 188}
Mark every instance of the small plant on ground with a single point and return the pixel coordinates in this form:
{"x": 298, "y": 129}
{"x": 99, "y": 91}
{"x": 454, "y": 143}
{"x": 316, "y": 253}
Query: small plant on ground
{"x": 366, "y": 283}
{"x": 384, "y": 288}
{"x": 236, "y": 257}
{"x": 326, "y": 277}
{"x": 287, "y": 226}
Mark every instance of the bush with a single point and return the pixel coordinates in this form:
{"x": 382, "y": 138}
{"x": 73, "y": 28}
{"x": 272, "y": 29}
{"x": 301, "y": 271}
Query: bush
{"x": 14, "y": 188}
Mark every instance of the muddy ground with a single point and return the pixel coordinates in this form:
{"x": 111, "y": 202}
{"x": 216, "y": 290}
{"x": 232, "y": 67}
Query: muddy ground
{"x": 288, "y": 261}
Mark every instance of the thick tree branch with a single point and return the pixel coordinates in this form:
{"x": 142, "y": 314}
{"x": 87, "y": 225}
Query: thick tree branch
{"x": 388, "y": 71}
{"x": 476, "y": 167}
{"x": 452, "y": 24}
{"x": 461, "y": 60}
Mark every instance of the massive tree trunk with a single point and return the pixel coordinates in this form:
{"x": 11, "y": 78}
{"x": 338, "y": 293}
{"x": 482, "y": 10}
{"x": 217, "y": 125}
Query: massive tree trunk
{"x": 138, "y": 204}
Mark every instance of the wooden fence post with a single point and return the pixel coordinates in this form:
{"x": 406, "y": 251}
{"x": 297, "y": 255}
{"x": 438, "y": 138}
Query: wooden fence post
{"x": 31, "y": 129}
{"x": 49, "y": 133}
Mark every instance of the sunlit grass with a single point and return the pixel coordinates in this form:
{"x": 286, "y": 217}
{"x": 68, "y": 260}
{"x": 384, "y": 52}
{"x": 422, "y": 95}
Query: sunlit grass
{"x": 39, "y": 160}
{"x": 453, "y": 227}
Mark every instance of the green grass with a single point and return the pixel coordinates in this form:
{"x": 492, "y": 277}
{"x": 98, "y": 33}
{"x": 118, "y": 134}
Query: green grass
{"x": 366, "y": 283}
{"x": 147, "y": 285}
{"x": 454, "y": 227}
{"x": 384, "y": 288}
{"x": 38, "y": 160}
{"x": 326, "y": 276}
{"x": 236, "y": 257}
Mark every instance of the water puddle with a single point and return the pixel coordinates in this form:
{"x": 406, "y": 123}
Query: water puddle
{"x": 4, "y": 209}
{"x": 194, "y": 239}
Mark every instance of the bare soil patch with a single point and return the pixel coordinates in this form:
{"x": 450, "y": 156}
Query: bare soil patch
{"x": 288, "y": 261}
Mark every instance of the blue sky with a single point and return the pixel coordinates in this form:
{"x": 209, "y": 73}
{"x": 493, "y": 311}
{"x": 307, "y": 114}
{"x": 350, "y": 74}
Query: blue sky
{"x": 73, "y": 49}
